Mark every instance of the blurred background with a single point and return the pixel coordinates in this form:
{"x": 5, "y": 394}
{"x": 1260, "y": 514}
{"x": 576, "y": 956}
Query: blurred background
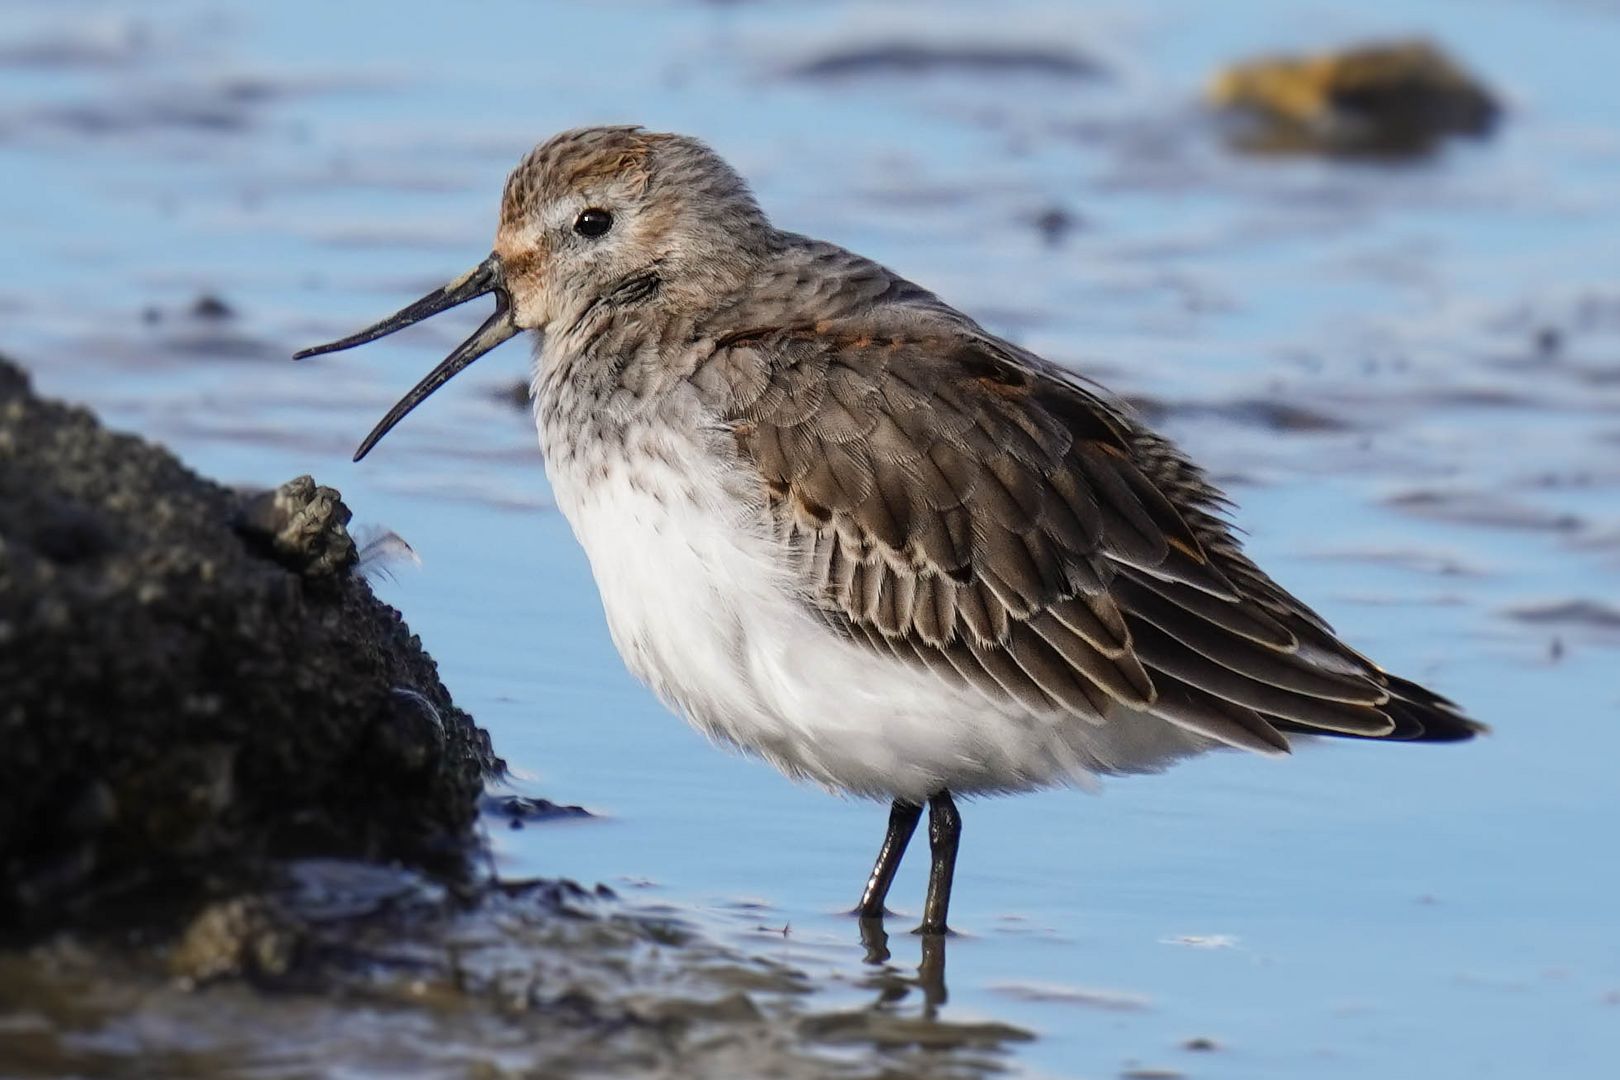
{"x": 1403, "y": 361}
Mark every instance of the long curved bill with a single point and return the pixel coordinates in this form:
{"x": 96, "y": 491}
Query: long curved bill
{"x": 484, "y": 278}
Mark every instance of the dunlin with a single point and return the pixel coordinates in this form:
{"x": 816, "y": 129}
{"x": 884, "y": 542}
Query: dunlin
{"x": 838, "y": 524}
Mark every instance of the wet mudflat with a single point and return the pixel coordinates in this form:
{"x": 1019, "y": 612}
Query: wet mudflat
{"x": 1408, "y": 376}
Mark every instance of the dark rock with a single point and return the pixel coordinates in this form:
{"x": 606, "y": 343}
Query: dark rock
{"x": 196, "y": 687}
{"x": 1055, "y": 224}
{"x": 1581, "y": 613}
{"x": 1549, "y": 341}
{"x": 516, "y": 392}
{"x": 520, "y": 810}
{"x": 209, "y": 306}
{"x": 1267, "y": 413}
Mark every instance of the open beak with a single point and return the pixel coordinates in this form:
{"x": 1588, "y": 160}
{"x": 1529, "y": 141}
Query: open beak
{"x": 484, "y": 278}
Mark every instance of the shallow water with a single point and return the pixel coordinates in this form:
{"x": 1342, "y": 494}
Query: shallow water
{"x": 1408, "y": 377}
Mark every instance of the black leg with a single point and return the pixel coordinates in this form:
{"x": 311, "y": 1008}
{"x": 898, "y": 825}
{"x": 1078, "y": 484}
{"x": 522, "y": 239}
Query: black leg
{"x": 903, "y": 817}
{"x": 944, "y": 832}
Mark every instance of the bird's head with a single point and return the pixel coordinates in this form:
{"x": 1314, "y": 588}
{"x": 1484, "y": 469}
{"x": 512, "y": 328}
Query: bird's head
{"x": 592, "y": 220}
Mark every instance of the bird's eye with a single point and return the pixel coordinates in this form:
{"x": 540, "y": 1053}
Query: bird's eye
{"x": 593, "y": 222}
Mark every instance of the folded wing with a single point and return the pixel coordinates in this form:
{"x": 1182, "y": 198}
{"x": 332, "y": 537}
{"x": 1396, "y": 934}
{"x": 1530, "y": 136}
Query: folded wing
{"x": 960, "y": 504}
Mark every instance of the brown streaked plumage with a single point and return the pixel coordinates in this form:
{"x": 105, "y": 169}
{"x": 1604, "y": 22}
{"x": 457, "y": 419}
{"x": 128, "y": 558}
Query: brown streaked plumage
{"x": 837, "y": 523}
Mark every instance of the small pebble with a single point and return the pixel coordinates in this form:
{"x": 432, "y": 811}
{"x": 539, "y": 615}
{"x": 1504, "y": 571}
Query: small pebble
{"x": 209, "y": 306}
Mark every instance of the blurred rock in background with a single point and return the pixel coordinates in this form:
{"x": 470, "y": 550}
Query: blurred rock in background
{"x": 1397, "y": 98}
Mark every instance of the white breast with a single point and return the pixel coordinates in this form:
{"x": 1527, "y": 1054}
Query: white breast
{"x": 704, "y": 609}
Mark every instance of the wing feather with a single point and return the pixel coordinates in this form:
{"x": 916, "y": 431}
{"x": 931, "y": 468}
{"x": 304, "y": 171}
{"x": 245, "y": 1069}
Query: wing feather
{"x": 962, "y": 506}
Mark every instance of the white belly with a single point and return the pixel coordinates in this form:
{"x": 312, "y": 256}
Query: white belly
{"x": 703, "y": 609}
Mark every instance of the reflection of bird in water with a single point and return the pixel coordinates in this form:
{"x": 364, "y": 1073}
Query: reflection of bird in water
{"x": 838, "y": 524}
{"x": 893, "y": 987}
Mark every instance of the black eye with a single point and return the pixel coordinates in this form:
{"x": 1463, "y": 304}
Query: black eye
{"x": 593, "y": 222}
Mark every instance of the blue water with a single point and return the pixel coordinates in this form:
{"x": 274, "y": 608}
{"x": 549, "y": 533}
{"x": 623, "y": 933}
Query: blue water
{"x": 1354, "y": 911}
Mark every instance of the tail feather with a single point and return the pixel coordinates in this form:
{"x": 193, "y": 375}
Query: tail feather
{"x": 1419, "y": 715}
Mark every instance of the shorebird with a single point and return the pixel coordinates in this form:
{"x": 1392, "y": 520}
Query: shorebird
{"x": 838, "y": 524}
